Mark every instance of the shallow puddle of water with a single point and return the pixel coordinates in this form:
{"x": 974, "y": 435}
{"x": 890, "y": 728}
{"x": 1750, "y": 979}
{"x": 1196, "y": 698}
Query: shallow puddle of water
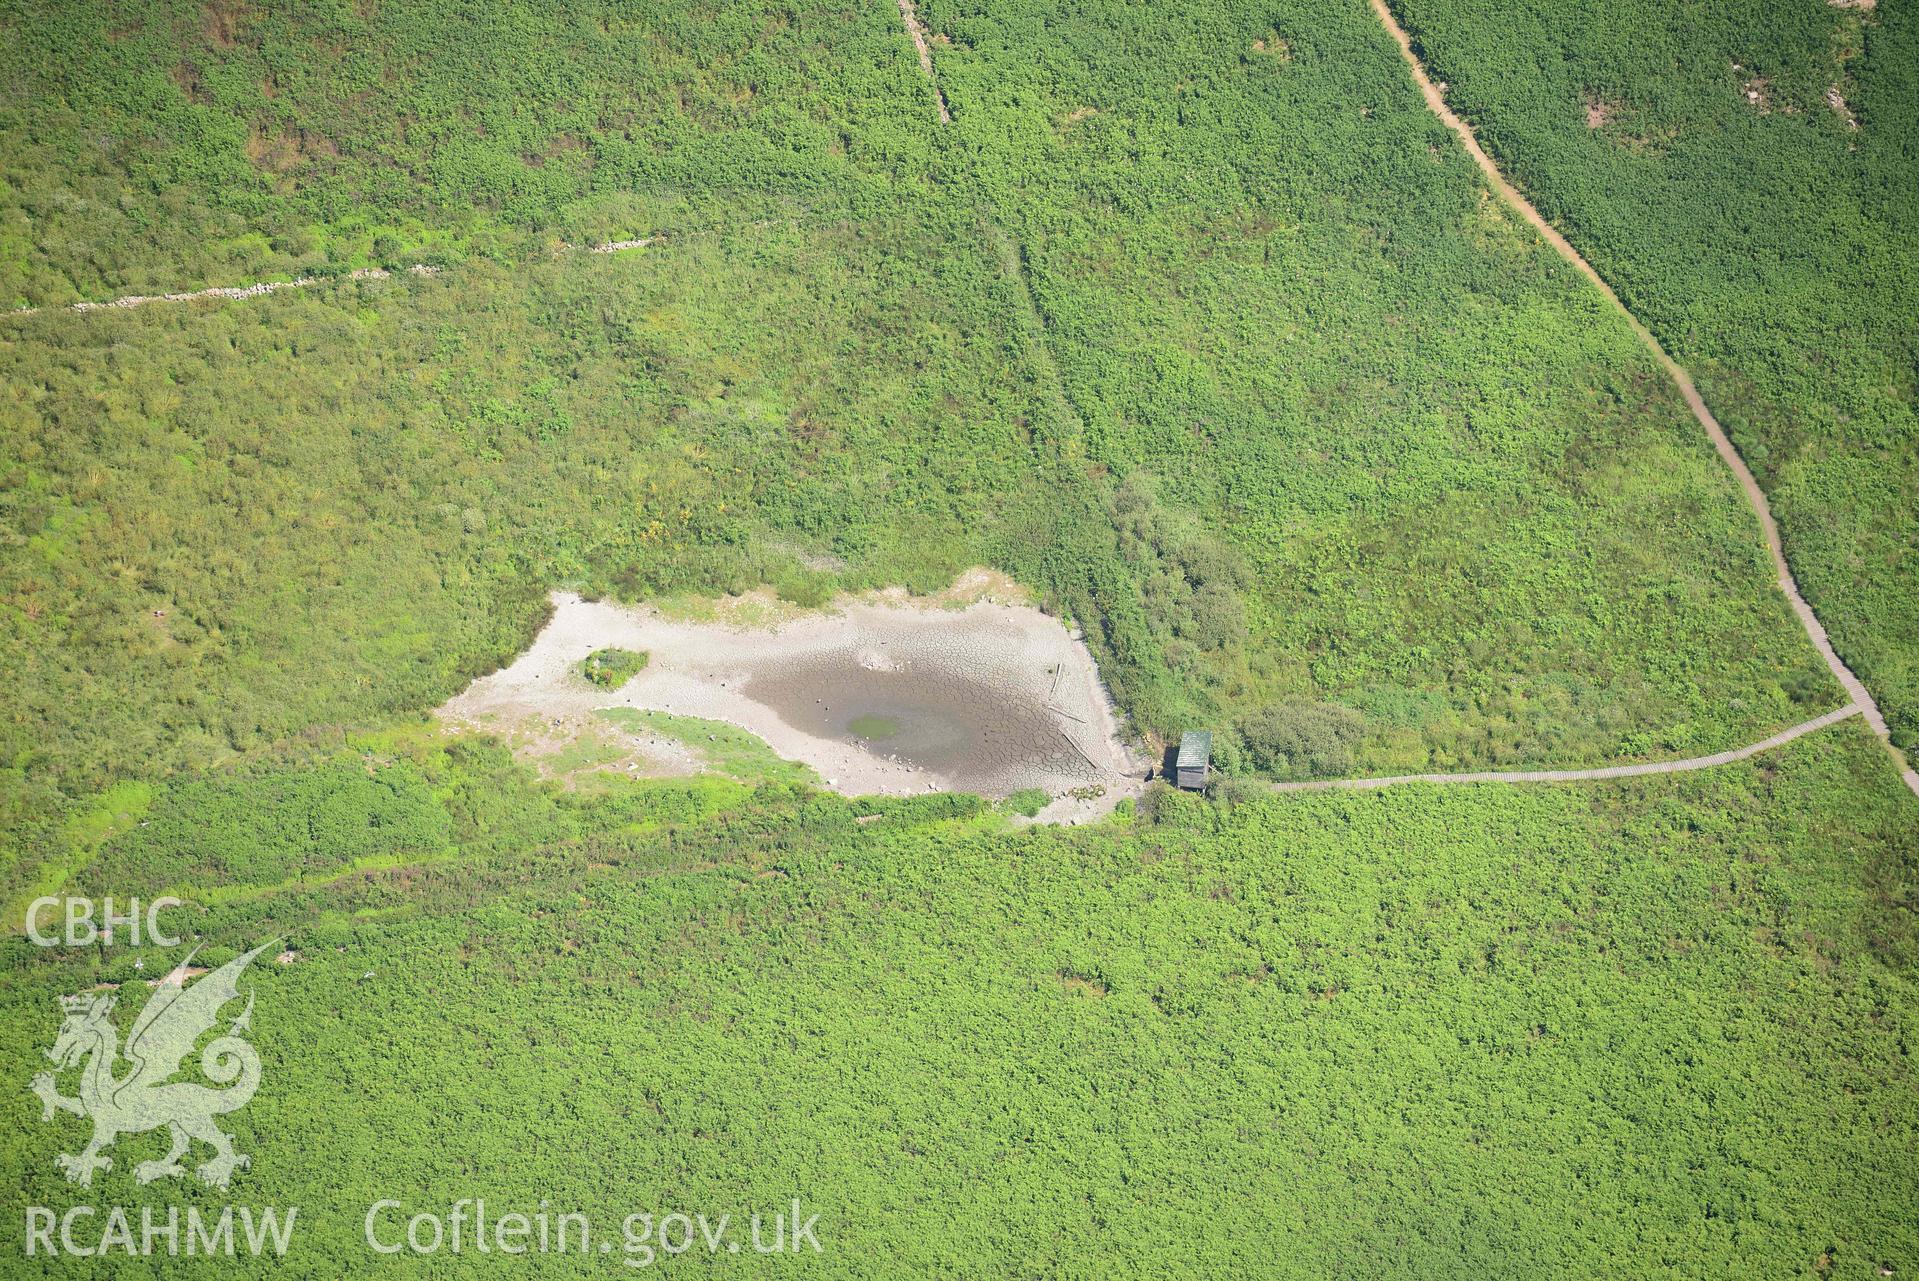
{"x": 975, "y": 733}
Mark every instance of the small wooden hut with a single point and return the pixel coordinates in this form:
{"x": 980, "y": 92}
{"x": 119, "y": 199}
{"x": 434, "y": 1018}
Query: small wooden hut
{"x": 1195, "y": 760}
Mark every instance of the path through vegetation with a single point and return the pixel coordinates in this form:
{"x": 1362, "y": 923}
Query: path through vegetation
{"x": 261, "y": 287}
{"x": 914, "y": 28}
{"x": 254, "y": 290}
{"x": 1854, "y": 688}
{"x": 1780, "y": 739}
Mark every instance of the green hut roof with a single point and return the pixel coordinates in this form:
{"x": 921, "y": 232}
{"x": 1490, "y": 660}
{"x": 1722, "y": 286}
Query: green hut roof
{"x": 1195, "y": 748}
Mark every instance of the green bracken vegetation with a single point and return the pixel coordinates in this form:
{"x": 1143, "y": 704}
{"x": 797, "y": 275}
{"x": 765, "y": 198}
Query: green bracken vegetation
{"x": 1195, "y": 322}
{"x": 1027, "y": 802}
{"x": 169, "y": 144}
{"x": 1601, "y": 1030}
{"x": 1746, "y": 176}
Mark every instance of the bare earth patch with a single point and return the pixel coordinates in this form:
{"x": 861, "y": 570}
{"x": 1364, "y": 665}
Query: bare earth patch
{"x": 1837, "y": 102}
{"x": 881, "y": 694}
{"x": 1080, "y": 985}
{"x": 178, "y": 976}
{"x": 222, "y": 22}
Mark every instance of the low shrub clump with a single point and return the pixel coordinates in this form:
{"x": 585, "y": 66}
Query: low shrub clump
{"x": 612, "y": 668}
{"x": 1300, "y": 739}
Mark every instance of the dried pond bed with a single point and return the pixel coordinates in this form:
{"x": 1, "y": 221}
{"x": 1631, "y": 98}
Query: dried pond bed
{"x": 879, "y": 695}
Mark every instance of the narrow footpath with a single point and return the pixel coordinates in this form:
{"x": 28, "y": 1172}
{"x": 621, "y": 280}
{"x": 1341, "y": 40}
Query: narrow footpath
{"x": 1780, "y": 739}
{"x": 914, "y": 28}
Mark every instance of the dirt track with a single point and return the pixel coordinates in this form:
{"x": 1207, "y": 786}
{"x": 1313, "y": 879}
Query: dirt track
{"x": 222, "y": 291}
{"x": 1780, "y": 739}
{"x": 917, "y": 30}
{"x": 275, "y": 286}
{"x": 1855, "y": 689}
